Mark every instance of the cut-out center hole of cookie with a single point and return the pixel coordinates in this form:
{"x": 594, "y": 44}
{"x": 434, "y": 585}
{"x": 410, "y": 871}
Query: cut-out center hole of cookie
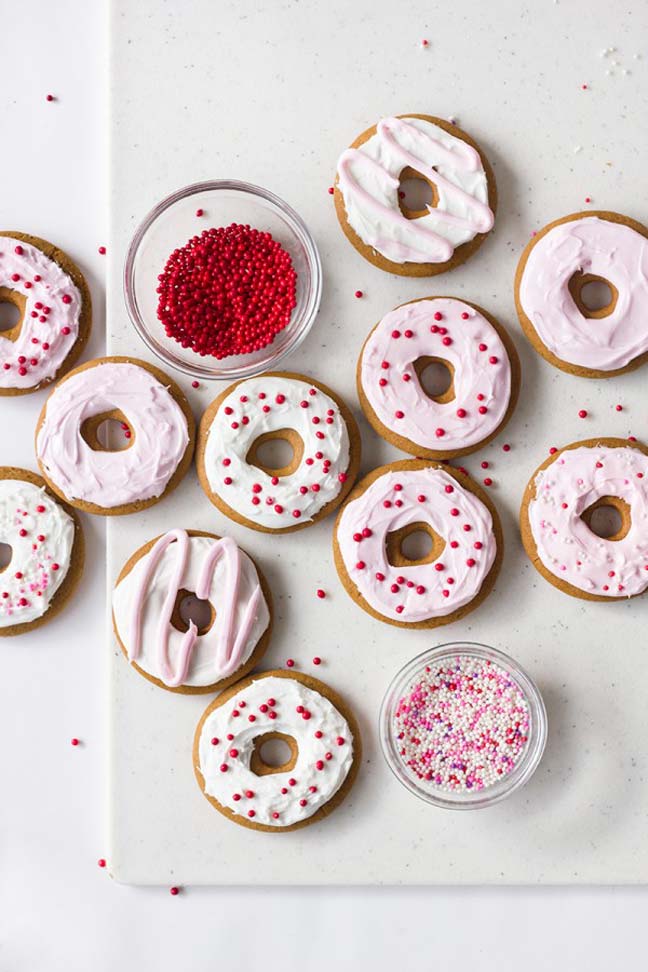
{"x": 189, "y": 608}
{"x": 108, "y": 432}
{"x": 416, "y": 543}
{"x": 609, "y": 518}
{"x": 415, "y": 194}
{"x": 273, "y": 752}
{"x": 6, "y": 553}
{"x": 12, "y": 311}
{"x": 277, "y": 453}
{"x": 594, "y": 296}
{"x": 436, "y": 378}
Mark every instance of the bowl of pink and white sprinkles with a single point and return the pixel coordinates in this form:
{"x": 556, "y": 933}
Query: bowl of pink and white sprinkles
{"x": 463, "y": 726}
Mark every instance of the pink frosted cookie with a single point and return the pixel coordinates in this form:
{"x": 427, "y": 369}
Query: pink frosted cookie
{"x": 482, "y": 366}
{"x": 54, "y": 311}
{"x": 381, "y": 513}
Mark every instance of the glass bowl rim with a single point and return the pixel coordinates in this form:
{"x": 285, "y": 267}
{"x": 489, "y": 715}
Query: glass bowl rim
{"x": 525, "y": 768}
{"x": 297, "y": 225}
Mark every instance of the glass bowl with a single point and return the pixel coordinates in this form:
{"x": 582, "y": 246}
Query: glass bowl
{"x": 172, "y": 223}
{"x": 465, "y": 799}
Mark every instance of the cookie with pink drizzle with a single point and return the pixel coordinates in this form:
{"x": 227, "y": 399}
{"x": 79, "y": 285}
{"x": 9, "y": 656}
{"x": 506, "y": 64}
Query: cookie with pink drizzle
{"x": 292, "y": 408}
{"x": 557, "y": 519}
{"x": 147, "y": 611}
{"x": 413, "y": 497}
{"x": 371, "y": 208}
{"x": 156, "y": 422}
{"x": 558, "y": 263}
{"x": 324, "y": 751}
{"x": 44, "y": 548}
{"x": 476, "y": 351}
{"x": 54, "y": 309}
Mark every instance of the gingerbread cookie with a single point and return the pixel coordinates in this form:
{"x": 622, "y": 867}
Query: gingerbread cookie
{"x": 424, "y": 242}
{"x": 147, "y": 620}
{"x": 483, "y": 367}
{"x": 557, "y": 264}
{"x": 556, "y": 519}
{"x": 156, "y": 420}
{"x": 414, "y": 496}
{"x": 55, "y": 309}
{"x": 278, "y": 405}
{"x": 46, "y": 552}
{"x": 308, "y": 716}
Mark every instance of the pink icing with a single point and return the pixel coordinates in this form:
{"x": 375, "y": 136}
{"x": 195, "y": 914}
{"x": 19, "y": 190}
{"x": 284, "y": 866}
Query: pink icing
{"x": 596, "y": 246}
{"x": 566, "y": 546}
{"x": 461, "y": 336}
{"x": 50, "y": 323}
{"x": 230, "y": 644}
{"x": 396, "y": 499}
{"x": 108, "y": 479}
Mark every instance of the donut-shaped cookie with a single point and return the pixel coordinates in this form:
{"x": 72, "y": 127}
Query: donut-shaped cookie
{"x": 556, "y": 518}
{"x": 156, "y": 419}
{"x": 53, "y": 301}
{"x": 555, "y": 266}
{"x": 407, "y": 497}
{"x": 278, "y": 405}
{"x": 147, "y": 603}
{"x": 46, "y": 552}
{"x": 373, "y": 217}
{"x": 477, "y": 352}
{"x": 320, "y": 731}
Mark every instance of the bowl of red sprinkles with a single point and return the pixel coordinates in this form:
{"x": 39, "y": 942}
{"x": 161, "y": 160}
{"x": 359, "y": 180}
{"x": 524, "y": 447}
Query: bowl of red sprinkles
{"x": 463, "y": 726}
{"x": 222, "y": 280}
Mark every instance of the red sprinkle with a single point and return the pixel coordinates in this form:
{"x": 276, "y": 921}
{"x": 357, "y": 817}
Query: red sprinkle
{"x": 174, "y": 890}
{"x": 582, "y": 413}
{"x": 317, "y": 660}
{"x": 359, "y": 293}
{"x": 290, "y": 663}
{"x": 74, "y": 741}
{"x": 101, "y": 862}
{"x": 321, "y": 593}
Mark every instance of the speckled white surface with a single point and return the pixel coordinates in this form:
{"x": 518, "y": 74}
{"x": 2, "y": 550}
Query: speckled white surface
{"x": 274, "y": 96}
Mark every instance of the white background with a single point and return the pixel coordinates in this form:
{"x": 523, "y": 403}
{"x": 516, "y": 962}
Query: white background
{"x": 58, "y": 910}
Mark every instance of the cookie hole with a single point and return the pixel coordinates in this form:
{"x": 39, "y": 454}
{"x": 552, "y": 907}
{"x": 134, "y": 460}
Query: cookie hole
{"x": 6, "y": 553}
{"x": 12, "y": 311}
{"x": 277, "y": 453}
{"x": 415, "y": 194}
{"x": 189, "y": 608}
{"x": 9, "y": 315}
{"x": 416, "y": 543}
{"x": 108, "y": 432}
{"x": 608, "y": 518}
{"x": 594, "y": 296}
{"x": 273, "y": 752}
{"x": 436, "y": 378}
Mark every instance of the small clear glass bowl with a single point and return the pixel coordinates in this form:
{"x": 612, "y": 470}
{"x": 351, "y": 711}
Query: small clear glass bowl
{"x": 172, "y": 223}
{"x": 464, "y": 799}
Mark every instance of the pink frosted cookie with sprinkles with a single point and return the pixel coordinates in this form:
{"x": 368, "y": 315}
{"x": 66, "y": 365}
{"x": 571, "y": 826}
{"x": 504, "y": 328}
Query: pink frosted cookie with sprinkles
{"x": 372, "y": 205}
{"x": 53, "y": 308}
{"x": 584, "y": 519}
{"x": 284, "y": 409}
{"x": 322, "y": 747}
{"x": 373, "y": 533}
{"x": 480, "y": 363}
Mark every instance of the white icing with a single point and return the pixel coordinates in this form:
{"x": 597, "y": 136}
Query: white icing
{"x": 329, "y": 437}
{"x": 205, "y": 668}
{"x": 288, "y": 693}
{"x": 19, "y": 502}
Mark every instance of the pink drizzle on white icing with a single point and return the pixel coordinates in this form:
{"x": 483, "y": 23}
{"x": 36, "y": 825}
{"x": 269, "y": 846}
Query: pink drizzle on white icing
{"x": 595, "y": 246}
{"x": 566, "y": 546}
{"x": 50, "y": 323}
{"x": 466, "y": 340}
{"x": 420, "y": 591}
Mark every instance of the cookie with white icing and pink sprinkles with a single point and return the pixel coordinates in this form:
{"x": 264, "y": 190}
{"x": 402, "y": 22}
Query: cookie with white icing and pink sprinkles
{"x": 44, "y": 543}
{"x": 54, "y": 309}
{"x": 557, "y": 519}
{"x": 413, "y": 497}
{"x": 185, "y": 568}
{"x": 323, "y": 751}
{"x": 292, "y": 408}
{"x": 372, "y": 207}
{"x": 481, "y": 363}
